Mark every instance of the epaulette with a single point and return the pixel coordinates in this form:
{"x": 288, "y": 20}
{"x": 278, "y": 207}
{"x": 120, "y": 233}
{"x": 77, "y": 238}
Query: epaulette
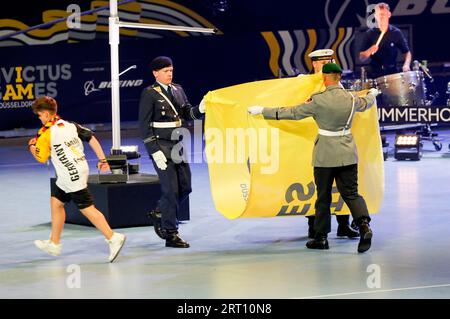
{"x": 154, "y": 87}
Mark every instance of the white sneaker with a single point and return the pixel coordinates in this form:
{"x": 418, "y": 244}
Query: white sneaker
{"x": 49, "y": 247}
{"x": 115, "y": 245}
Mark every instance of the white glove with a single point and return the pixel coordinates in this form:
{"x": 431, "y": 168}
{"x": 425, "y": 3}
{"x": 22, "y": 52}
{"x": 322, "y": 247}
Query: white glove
{"x": 255, "y": 110}
{"x": 160, "y": 160}
{"x": 202, "y": 106}
{"x": 374, "y": 92}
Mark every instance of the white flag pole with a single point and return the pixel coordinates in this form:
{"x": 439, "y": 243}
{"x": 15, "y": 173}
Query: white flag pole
{"x": 114, "y": 39}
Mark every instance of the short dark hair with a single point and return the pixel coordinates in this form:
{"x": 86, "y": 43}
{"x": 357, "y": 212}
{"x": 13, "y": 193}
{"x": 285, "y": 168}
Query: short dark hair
{"x": 45, "y": 103}
{"x": 334, "y": 76}
{"x": 382, "y": 5}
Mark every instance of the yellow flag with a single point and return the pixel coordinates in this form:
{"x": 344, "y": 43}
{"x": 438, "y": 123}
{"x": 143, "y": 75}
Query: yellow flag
{"x": 262, "y": 168}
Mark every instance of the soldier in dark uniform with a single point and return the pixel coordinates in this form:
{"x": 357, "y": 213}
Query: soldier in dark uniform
{"x": 334, "y": 156}
{"x": 162, "y": 108}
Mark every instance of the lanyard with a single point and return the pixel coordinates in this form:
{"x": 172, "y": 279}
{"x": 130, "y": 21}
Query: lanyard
{"x": 168, "y": 101}
{"x": 347, "y": 125}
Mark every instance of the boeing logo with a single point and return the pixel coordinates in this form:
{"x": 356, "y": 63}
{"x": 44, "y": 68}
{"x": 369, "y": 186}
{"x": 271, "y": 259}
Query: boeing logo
{"x": 89, "y": 86}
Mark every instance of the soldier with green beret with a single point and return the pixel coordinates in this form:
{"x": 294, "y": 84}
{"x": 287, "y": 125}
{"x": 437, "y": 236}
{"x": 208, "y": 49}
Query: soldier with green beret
{"x": 334, "y": 155}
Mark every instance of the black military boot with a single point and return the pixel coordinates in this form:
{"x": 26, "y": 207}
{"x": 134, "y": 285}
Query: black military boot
{"x": 345, "y": 230}
{"x": 174, "y": 240}
{"x": 320, "y": 242}
{"x": 353, "y": 225}
{"x": 366, "y": 235}
{"x": 156, "y": 220}
{"x": 311, "y": 231}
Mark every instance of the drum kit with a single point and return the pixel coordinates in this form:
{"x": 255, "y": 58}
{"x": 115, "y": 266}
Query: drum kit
{"x": 398, "y": 89}
{"x": 404, "y": 89}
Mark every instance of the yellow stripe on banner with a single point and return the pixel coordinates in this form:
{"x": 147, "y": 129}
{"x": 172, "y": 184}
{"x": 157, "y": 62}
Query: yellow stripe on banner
{"x": 39, "y": 33}
{"x": 132, "y": 7}
{"x": 341, "y": 35}
{"x": 89, "y": 18}
{"x": 100, "y": 3}
{"x": 50, "y": 15}
{"x": 154, "y": 21}
{"x": 262, "y": 168}
{"x": 274, "y": 51}
{"x": 123, "y": 31}
{"x": 312, "y": 44}
{"x": 187, "y": 11}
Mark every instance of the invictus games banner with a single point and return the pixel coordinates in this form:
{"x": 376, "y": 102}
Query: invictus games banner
{"x": 261, "y": 168}
{"x": 21, "y": 83}
{"x": 77, "y": 77}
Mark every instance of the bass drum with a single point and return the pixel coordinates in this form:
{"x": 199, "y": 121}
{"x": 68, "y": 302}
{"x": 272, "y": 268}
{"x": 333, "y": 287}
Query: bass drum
{"x": 402, "y": 89}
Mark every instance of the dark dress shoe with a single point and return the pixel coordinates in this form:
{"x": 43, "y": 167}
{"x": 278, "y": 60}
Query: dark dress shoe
{"x": 365, "y": 239}
{"x": 174, "y": 240}
{"x": 346, "y": 231}
{"x": 311, "y": 233}
{"x": 318, "y": 243}
{"x": 156, "y": 221}
{"x": 353, "y": 225}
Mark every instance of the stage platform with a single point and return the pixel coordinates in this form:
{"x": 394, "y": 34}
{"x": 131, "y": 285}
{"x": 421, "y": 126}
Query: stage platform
{"x": 124, "y": 204}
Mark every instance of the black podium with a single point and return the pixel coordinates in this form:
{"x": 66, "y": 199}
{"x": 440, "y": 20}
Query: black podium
{"x": 123, "y": 204}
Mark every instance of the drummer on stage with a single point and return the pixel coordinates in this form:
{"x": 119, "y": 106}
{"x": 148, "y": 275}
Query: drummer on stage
{"x": 381, "y": 45}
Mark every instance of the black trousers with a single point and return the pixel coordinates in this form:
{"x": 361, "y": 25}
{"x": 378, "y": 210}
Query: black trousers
{"x": 175, "y": 188}
{"x": 347, "y": 184}
{"x": 341, "y": 220}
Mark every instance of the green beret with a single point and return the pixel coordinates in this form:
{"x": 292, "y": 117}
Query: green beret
{"x": 331, "y": 68}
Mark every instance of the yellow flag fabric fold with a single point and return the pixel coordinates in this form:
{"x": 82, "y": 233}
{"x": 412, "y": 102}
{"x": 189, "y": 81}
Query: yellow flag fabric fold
{"x": 262, "y": 168}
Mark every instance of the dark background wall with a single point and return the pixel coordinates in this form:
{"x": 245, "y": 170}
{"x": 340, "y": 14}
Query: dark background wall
{"x": 240, "y": 53}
